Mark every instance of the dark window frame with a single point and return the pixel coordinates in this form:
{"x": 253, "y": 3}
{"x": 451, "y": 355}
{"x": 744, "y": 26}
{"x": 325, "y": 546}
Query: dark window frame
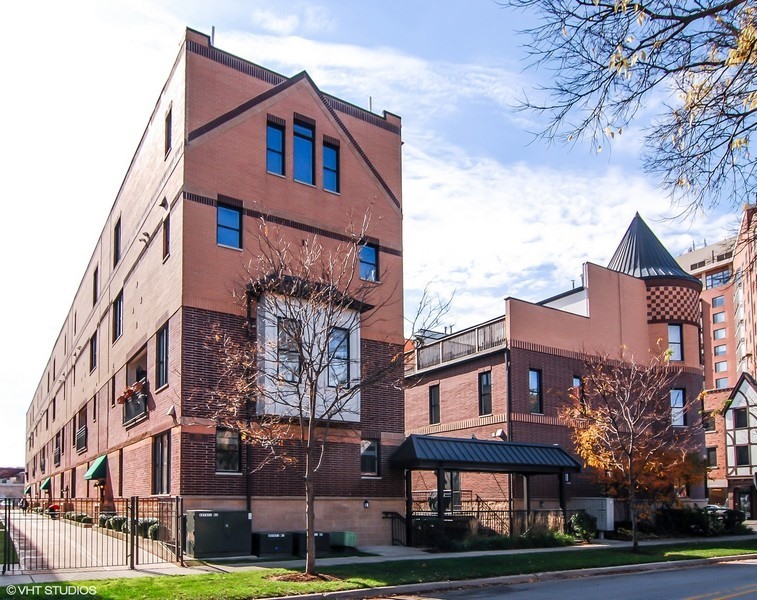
{"x": 370, "y": 458}
{"x": 161, "y": 463}
{"x": 678, "y": 407}
{"x": 484, "y": 393}
{"x": 167, "y": 236}
{"x": 303, "y": 146}
{"x": 718, "y": 301}
{"x": 434, "y": 405}
{"x": 287, "y": 350}
{"x": 741, "y": 455}
{"x": 228, "y": 458}
{"x": 331, "y": 167}
{"x": 161, "y": 357}
{"x": 369, "y": 269}
{"x": 708, "y": 421}
{"x": 222, "y": 227}
{"x": 95, "y": 285}
{"x": 717, "y": 278}
{"x": 535, "y": 392}
{"x": 167, "y": 133}
{"x": 117, "y": 321}
{"x": 117, "y": 242}
{"x": 271, "y": 151}
{"x": 740, "y": 418}
{"x": 93, "y": 352}
{"x": 712, "y": 456}
{"x": 339, "y": 359}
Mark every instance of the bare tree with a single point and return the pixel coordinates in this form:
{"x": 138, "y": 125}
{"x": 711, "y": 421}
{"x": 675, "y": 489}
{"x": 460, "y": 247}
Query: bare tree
{"x": 698, "y": 60}
{"x": 630, "y": 426}
{"x": 299, "y": 365}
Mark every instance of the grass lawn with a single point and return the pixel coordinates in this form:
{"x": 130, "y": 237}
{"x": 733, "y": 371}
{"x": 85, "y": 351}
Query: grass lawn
{"x": 255, "y": 584}
{"x": 13, "y": 557}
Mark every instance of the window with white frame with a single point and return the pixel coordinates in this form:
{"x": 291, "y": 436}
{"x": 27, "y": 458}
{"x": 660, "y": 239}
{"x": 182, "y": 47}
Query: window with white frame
{"x": 289, "y": 331}
{"x": 339, "y": 357}
{"x": 678, "y": 407}
{"x": 675, "y": 341}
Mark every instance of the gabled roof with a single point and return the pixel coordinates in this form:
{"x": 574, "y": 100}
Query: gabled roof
{"x": 426, "y": 452}
{"x": 640, "y": 254}
{"x": 746, "y": 386}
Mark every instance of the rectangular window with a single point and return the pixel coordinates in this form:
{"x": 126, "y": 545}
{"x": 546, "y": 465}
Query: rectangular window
{"x": 52, "y": 404}
{"x": 721, "y": 367}
{"x": 117, "y": 242}
{"x": 118, "y": 316}
{"x": 719, "y": 334}
{"x": 485, "y": 393}
{"x": 718, "y": 301}
{"x": 304, "y": 152}
{"x": 134, "y": 398}
{"x": 94, "y": 409}
{"x": 229, "y": 229}
{"x": 740, "y": 420}
{"x": 161, "y": 463}
{"x": 339, "y": 358}
{"x": 721, "y": 383}
{"x": 331, "y": 167}
{"x": 578, "y": 389}
{"x": 95, "y": 285}
{"x": 369, "y": 457}
{"x": 712, "y": 457}
{"x": 166, "y": 236}
{"x": 288, "y": 349}
{"x": 534, "y": 392}
{"x": 93, "y": 352}
{"x": 718, "y": 317}
{"x": 167, "y": 132}
{"x": 80, "y": 439}
{"x": 228, "y": 451}
{"x": 678, "y": 407}
{"x": 161, "y": 357}
{"x": 675, "y": 342}
{"x": 742, "y": 455}
{"x": 717, "y": 279}
{"x": 708, "y": 421}
{"x": 434, "y": 408}
{"x": 720, "y": 350}
{"x": 275, "y": 148}
{"x": 369, "y": 262}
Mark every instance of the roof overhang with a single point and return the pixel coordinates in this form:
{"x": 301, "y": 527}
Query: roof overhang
{"x": 98, "y": 469}
{"x": 425, "y": 452}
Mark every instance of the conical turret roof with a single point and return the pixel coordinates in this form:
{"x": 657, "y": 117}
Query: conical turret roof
{"x": 642, "y": 255}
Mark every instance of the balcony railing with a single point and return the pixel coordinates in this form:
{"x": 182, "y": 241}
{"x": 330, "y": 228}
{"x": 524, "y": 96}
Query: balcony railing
{"x": 81, "y": 439}
{"x": 459, "y": 345}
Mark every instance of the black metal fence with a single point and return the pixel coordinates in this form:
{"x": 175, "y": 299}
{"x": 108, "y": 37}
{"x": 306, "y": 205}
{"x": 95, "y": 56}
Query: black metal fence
{"x": 76, "y": 533}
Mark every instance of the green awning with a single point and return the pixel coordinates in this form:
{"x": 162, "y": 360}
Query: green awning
{"x": 99, "y": 468}
{"x": 45, "y": 485}
{"x": 27, "y": 490}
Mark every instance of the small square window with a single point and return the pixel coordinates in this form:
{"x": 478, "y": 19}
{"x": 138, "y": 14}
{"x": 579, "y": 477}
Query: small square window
{"x": 721, "y": 367}
{"x": 718, "y": 301}
{"x": 721, "y": 383}
{"x": 720, "y": 350}
{"x": 229, "y": 226}
{"x": 719, "y": 334}
{"x": 740, "y": 420}
{"x": 718, "y": 317}
{"x": 369, "y": 262}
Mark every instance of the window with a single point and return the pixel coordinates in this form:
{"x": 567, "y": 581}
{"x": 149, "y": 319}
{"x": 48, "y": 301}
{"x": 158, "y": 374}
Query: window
{"x": 339, "y": 358}
{"x": 161, "y": 463}
{"x": 534, "y": 391}
{"x": 720, "y": 350}
{"x": 434, "y": 412}
{"x": 675, "y": 342}
{"x": 718, "y": 334}
{"x": 93, "y": 352}
{"x": 718, "y": 301}
{"x": 304, "y": 155}
{"x": 721, "y": 383}
{"x": 118, "y": 316}
{"x": 167, "y": 133}
{"x": 677, "y": 407}
{"x": 740, "y": 418}
{"x": 117, "y": 242}
{"x": 94, "y": 409}
{"x": 275, "y": 148}
{"x": 95, "y": 285}
{"x": 369, "y": 262}
{"x": 228, "y": 450}
{"x": 708, "y": 421}
{"x": 52, "y": 404}
{"x": 161, "y": 357}
{"x": 742, "y": 455}
{"x": 288, "y": 349}
{"x": 80, "y": 435}
{"x": 485, "y": 393}
{"x": 166, "y": 236}
{"x": 135, "y": 404}
{"x": 331, "y": 167}
{"x": 718, "y": 278}
{"x": 229, "y": 230}
{"x": 721, "y": 367}
{"x": 718, "y": 317}
{"x": 712, "y": 457}
{"x": 369, "y": 457}
{"x": 578, "y": 389}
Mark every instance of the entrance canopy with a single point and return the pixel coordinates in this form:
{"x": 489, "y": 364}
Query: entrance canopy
{"x": 426, "y": 452}
{"x": 45, "y": 484}
{"x": 99, "y": 468}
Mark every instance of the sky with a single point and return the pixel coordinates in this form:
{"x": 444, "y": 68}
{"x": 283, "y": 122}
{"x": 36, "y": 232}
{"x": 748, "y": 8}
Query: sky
{"x": 489, "y": 211}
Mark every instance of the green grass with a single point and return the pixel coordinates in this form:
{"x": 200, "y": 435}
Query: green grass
{"x": 13, "y": 556}
{"x": 255, "y": 583}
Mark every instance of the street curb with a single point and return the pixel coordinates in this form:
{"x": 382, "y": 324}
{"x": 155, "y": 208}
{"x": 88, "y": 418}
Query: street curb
{"x": 436, "y": 586}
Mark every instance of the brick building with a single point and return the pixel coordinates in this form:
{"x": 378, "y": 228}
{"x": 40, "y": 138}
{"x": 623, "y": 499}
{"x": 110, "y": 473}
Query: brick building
{"x": 231, "y": 152}
{"x": 506, "y": 378}
{"x": 729, "y": 343}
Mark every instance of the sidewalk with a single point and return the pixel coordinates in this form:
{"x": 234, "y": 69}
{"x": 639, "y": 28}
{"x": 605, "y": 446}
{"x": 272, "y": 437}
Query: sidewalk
{"x": 380, "y": 554}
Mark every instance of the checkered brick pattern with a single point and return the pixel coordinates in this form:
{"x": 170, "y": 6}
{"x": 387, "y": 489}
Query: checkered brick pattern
{"x": 672, "y": 303}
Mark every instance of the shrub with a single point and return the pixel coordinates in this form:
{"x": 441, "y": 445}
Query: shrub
{"x": 116, "y": 523}
{"x": 153, "y": 531}
{"x": 584, "y": 526}
{"x": 688, "y": 521}
{"x": 102, "y": 520}
{"x": 86, "y": 519}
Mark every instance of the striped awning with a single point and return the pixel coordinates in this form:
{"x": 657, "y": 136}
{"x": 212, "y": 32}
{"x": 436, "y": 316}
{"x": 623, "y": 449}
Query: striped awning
{"x": 45, "y": 484}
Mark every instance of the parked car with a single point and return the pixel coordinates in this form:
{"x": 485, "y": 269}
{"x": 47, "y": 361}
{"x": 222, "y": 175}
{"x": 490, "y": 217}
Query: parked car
{"x": 729, "y": 516}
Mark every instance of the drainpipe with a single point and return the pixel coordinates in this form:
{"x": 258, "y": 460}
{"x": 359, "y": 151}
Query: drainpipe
{"x": 248, "y": 415}
{"x": 508, "y": 413}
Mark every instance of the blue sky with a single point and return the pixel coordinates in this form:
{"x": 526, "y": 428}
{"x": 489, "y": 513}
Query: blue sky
{"x": 489, "y": 212}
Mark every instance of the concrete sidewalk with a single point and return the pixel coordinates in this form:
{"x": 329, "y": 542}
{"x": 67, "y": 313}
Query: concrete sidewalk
{"x": 379, "y": 554}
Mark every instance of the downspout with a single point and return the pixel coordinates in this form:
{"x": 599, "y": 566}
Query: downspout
{"x": 508, "y": 414}
{"x": 248, "y": 416}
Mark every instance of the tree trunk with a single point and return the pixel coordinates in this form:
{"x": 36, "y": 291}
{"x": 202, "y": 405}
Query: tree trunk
{"x": 310, "y": 503}
{"x": 632, "y": 509}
